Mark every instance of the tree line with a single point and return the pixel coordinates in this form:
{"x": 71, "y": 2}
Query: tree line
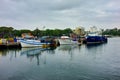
{"x": 11, "y": 32}
{"x": 112, "y": 32}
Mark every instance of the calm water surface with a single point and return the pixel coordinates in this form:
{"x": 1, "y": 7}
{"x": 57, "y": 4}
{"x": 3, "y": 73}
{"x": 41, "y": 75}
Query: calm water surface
{"x": 95, "y": 62}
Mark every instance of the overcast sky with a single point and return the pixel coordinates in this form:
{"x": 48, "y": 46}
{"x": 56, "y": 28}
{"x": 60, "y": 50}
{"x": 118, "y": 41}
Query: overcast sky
{"x": 60, "y": 14}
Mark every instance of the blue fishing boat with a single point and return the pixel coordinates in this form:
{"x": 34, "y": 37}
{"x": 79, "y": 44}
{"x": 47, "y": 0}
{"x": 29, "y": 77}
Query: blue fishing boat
{"x": 95, "y": 36}
{"x": 95, "y": 39}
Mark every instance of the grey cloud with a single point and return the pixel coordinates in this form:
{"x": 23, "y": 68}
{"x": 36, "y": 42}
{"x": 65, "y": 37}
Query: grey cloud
{"x": 58, "y": 12}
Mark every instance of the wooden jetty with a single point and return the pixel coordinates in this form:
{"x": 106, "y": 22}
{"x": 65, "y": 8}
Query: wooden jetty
{"x": 14, "y": 45}
{"x": 10, "y": 45}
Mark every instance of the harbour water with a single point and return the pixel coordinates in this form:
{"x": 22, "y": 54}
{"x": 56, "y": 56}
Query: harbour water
{"x": 68, "y": 62}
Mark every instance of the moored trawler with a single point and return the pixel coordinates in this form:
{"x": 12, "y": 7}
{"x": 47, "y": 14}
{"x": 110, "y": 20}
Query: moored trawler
{"x": 68, "y": 40}
{"x": 94, "y": 37}
{"x": 31, "y": 41}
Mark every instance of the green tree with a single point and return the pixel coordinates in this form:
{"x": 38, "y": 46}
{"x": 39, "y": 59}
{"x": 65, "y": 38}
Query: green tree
{"x": 67, "y": 31}
{"x": 6, "y": 32}
{"x": 36, "y": 32}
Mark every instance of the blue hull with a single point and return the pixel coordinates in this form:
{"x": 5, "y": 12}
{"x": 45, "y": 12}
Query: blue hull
{"x": 96, "y": 39}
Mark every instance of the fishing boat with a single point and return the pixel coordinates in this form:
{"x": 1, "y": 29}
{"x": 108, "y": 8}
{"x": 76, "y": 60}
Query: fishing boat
{"x": 94, "y": 38}
{"x": 32, "y": 43}
{"x": 29, "y": 40}
{"x": 68, "y": 40}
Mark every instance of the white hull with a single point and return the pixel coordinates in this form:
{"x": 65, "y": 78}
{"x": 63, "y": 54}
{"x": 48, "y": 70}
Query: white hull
{"x": 68, "y": 41}
{"x": 32, "y": 43}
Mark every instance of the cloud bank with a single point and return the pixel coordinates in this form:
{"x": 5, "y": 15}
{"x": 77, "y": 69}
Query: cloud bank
{"x": 29, "y": 14}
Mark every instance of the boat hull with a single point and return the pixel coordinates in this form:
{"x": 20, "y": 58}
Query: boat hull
{"x": 96, "y": 39}
{"x": 32, "y": 43}
{"x": 67, "y": 41}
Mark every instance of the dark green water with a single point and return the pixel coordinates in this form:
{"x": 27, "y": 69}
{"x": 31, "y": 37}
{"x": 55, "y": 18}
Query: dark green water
{"x": 98, "y": 62}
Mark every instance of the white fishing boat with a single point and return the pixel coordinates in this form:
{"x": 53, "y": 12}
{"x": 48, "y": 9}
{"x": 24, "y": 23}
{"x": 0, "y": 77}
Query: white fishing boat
{"x": 32, "y": 43}
{"x": 68, "y": 40}
{"x": 28, "y": 40}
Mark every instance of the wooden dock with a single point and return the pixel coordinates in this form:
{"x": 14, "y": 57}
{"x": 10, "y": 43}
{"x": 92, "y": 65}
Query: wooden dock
{"x": 10, "y": 45}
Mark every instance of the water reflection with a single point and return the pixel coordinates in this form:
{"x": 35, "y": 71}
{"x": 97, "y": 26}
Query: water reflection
{"x": 66, "y": 62}
{"x": 67, "y": 47}
{"x": 4, "y": 52}
{"x": 68, "y": 50}
{"x": 36, "y": 53}
{"x": 94, "y": 45}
